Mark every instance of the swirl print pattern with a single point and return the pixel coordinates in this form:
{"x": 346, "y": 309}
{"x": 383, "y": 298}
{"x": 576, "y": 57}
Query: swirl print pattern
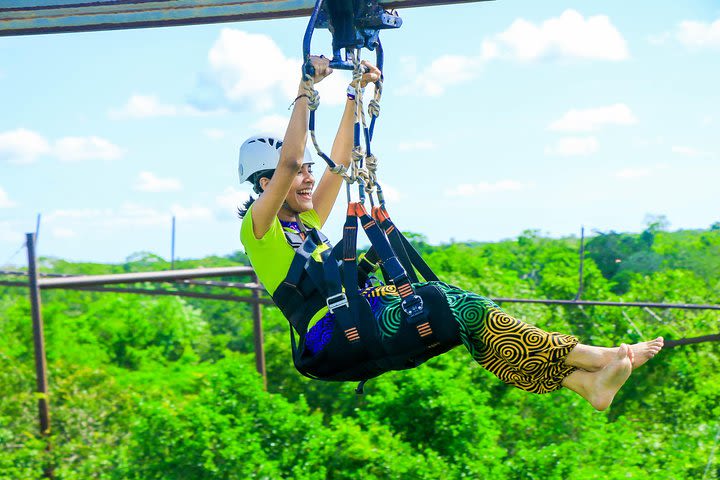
{"x": 517, "y": 353}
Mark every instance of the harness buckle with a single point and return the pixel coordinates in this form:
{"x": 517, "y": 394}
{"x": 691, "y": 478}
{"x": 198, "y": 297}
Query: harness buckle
{"x": 413, "y": 306}
{"x": 336, "y": 301}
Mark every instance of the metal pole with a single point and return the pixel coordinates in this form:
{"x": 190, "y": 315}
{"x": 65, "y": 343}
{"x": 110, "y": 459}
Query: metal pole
{"x": 712, "y": 453}
{"x": 582, "y": 261}
{"x": 37, "y": 228}
{"x": 163, "y": 275}
{"x": 39, "y": 343}
{"x": 172, "y": 247}
{"x": 258, "y": 334}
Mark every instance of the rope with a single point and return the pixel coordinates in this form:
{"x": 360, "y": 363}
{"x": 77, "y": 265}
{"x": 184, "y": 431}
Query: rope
{"x": 363, "y": 164}
{"x": 20, "y": 249}
{"x": 627, "y": 317}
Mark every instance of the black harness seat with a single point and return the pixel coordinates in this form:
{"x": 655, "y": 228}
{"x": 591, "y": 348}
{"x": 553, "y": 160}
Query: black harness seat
{"x": 357, "y": 350}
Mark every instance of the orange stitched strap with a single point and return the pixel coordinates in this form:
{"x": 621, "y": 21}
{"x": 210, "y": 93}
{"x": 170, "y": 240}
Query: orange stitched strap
{"x": 356, "y": 209}
{"x": 405, "y": 290}
{"x": 369, "y": 224}
{"x": 352, "y": 334}
{"x": 380, "y": 214}
{"x": 349, "y": 259}
{"x": 390, "y": 229}
{"x": 424, "y": 329}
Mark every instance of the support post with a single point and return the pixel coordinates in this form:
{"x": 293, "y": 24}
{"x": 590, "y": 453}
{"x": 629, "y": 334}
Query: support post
{"x": 582, "y": 261}
{"x": 39, "y": 343}
{"x": 172, "y": 246}
{"x": 37, "y": 228}
{"x": 258, "y": 333}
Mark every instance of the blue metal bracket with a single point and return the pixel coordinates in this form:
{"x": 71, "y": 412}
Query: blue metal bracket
{"x": 353, "y": 24}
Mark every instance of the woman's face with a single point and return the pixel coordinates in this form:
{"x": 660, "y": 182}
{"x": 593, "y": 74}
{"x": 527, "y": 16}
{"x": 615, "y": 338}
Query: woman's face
{"x": 299, "y": 198}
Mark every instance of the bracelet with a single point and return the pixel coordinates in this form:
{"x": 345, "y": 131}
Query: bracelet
{"x": 298, "y": 98}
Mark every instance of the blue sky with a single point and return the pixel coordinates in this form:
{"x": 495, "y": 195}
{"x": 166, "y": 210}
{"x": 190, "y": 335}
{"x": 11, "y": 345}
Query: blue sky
{"x": 496, "y": 117}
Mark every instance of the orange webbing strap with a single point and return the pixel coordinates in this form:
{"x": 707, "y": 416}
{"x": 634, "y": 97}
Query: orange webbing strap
{"x": 394, "y": 236}
{"x": 411, "y": 304}
{"x": 414, "y": 259}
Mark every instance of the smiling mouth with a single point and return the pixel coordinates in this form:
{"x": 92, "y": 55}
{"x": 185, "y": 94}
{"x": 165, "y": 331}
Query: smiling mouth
{"x": 305, "y": 193}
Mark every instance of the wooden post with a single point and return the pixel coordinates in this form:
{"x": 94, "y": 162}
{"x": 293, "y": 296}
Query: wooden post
{"x": 258, "y": 332}
{"x": 39, "y": 344}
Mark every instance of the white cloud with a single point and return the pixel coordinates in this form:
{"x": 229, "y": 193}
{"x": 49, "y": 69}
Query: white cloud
{"x": 274, "y": 125}
{"x": 25, "y": 146}
{"x": 573, "y": 146}
{"x": 8, "y": 233}
{"x": 442, "y": 72}
{"x": 193, "y": 213}
{"x": 643, "y": 142}
{"x": 22, "y": 146}
{"x": 688, "y": 151}
{"x": 148, "y": 182}
{"x": 391, "y": 193}
{"x": 592, "y": 119}
{"x": 631, "y": 173}
{"x": 333, "y": 89}
{"x": 141, "y": 106}
{"x": 215, "y": 133}
{"x": 60, "y": 232}
{"x": 699, "y": 34}
{"x": 133, "y": 214}
{"x": 251, "y": 68}
{"x": 469, "y": 190}
{"x": 416, "y": 145}
{"x": 147, "y": 106}
{"x": 250, "y": 71}
{"x": 659, "y": 39}
{"x": 72, "y": 149}
{"x": 228, "y": 202}
{"x": 128, "y": 215}
{"x": 5, "y": 201}
{"x": 568, "y": 36}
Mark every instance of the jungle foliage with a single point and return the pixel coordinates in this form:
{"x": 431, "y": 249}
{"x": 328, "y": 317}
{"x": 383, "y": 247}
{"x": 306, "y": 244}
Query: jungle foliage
{"x": 165, "y": 387}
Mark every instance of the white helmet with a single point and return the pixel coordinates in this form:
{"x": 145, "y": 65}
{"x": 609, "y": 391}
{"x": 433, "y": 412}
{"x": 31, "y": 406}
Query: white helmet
{"x": 261, "y": 152}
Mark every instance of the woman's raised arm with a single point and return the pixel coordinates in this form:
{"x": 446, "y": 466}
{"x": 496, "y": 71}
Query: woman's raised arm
{"x": 266, "y": 207}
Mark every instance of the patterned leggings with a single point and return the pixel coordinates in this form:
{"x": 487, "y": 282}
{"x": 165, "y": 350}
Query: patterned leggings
{"x": 517, "y": 353}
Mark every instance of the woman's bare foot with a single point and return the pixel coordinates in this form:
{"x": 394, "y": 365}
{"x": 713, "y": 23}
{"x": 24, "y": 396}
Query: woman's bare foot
{"x": 594, "y": 359}
{"x": 644, "y": 351}
{"x": 606, "y": 382}
{"x": 600, "y": 387}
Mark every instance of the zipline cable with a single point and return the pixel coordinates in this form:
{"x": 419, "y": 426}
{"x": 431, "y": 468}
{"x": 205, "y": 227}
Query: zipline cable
{"x": 712, "y": 452}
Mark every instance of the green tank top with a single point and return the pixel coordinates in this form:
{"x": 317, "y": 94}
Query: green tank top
{"x": 272, "y": 255}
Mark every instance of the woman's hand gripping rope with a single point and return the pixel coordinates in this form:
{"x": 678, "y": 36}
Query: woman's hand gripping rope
{"x": 321, "y": 69}
{"x": 365, "y": 73}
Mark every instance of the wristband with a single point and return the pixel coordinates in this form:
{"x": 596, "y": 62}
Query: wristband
{"x": 352, "y": 92}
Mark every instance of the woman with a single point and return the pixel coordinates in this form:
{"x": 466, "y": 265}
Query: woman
{"x": 517, "y": 353}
